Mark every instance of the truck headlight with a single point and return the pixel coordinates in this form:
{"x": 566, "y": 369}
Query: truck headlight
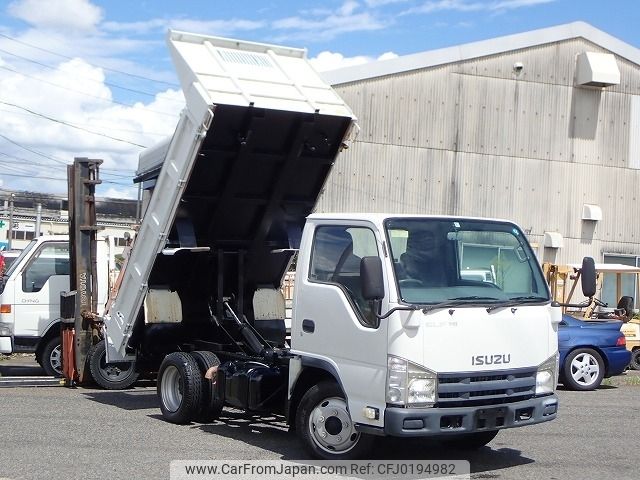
{"x": 5, "y": 329}
{"x": 409, "y": 384}
{"x": 547, "y": 376}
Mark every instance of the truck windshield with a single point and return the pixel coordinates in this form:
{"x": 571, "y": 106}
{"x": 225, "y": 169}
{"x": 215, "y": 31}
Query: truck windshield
{"x": 458, "y": 262}
{"x": 23, "y": 254}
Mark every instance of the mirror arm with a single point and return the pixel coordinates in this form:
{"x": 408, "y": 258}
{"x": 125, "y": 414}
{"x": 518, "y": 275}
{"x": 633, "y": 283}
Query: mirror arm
{"x": 394, "y": 309}
{"x": 584, "y": 304}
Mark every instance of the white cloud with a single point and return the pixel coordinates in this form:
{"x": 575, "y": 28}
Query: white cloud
{"x": 57, "y": 14}
{"x": 209, "y": 27}
{"x": 326, "y": 61}
{"x": 472, "y": 6}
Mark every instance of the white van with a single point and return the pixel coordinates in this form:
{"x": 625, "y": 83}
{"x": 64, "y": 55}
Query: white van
{"x": 30, "y": 298}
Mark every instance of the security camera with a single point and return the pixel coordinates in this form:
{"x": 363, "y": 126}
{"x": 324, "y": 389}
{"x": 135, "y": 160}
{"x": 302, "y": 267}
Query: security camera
{"x": 517, "y": 67}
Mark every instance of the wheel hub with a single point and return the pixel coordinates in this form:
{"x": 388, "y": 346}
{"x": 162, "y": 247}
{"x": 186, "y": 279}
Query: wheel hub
{"x": 331, "y": 427}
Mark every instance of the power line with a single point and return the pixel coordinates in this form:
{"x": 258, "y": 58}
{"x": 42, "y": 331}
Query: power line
{"x": 40, "y": 154}
{"x": 155, "y": 134}
{"x": 95, "y": 65}
{"x": 110, "y": 84}
{"x": 62, "y": 122}
{"x": 20, "y": 162}
{"x": 110, "y": 182}
{"x": 78, "y": 92}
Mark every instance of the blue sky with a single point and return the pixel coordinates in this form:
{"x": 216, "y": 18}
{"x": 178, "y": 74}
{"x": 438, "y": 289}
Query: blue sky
{"x": 103, "y": 65}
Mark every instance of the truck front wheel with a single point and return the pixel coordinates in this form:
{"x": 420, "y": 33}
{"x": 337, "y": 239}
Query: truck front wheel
{"x": 325, "y": 427}
{"x": 51, "y": 357}
{"x": 110, "y": 376}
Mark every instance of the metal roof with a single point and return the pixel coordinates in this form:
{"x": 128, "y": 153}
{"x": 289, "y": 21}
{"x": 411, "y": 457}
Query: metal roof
{"x": 483, "y": 48}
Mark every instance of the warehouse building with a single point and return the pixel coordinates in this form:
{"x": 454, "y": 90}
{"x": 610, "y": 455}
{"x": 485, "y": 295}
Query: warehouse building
{"x": 541, "y": 127}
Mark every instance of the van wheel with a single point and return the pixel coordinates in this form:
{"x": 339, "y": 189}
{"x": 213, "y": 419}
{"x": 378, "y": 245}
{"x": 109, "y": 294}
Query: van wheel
{"x": 179, "y": 388}
{"x": 472, "y": 441}
{"x": 210, "y": 404}
{"x": 325, "y": 427}
{"x": 110, "y": 376}
{"x": 51, "y": 357}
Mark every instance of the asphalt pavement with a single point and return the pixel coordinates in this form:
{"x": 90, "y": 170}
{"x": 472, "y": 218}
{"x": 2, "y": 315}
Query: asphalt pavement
{"x": 61, "y": 433}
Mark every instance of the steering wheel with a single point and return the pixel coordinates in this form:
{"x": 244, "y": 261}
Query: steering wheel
{"x": 411, "y": 283}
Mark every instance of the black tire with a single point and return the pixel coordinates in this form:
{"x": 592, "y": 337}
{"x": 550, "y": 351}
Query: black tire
{"x": 110, "y": 376}
{"x": 210, "y": 404}
{"x": 583, "y": 370}
{"x": 179, "y": 388}
{"x": 634, "y": 364}
{"x": 315, "y": 418}
{"x": 472, "y": 441}
{"x": 51, "y": 357}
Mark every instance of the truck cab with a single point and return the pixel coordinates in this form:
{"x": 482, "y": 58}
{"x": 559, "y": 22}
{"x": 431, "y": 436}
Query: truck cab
{"x": 436, "y": 354}
{"x": 30, "y": 299}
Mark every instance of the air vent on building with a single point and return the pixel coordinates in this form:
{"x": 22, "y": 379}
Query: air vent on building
{"x": 591, "y": 212}
{"x": 597, "y": 70}
{"x": 553, "y": 240}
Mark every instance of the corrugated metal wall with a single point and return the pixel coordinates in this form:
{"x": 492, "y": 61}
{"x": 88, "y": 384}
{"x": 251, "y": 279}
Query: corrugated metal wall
{"x": 475, "y": 138}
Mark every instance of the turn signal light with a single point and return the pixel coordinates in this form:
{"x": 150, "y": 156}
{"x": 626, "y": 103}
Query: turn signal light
{"x": 5, "y": 308}
{"x": 621, "y": 342}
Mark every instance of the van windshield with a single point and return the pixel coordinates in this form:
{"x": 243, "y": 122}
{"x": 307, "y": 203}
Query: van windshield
{"x": 463, "y": 261}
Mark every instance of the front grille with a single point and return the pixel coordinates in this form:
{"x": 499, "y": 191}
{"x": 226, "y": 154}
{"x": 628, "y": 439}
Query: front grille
{"x": 485, "y": 388}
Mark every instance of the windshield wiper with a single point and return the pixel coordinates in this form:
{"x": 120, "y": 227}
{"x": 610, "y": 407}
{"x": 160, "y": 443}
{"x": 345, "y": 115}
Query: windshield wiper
{"x": 515, "y": 301}
{"x": 457, "y": 301}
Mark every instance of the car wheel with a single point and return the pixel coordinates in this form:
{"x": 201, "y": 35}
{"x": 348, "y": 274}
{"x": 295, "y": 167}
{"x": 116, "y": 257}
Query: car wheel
{"x": 110, "y": 376}
{"x": 472, "y": 441}
{"x": 179, "y": 388}
{"x": 635, "y": 359}
{"x": 51, "y": 358}
{"x": 210, "y": 404}
{"x": 583, "y": 369}
{"x": 325, "y": 426}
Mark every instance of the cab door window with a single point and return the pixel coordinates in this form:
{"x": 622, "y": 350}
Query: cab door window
{"x": 335, "y": 258}
{"x": 52, "y": 259}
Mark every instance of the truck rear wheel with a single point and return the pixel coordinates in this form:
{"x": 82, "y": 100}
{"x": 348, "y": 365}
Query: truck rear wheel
{"x": 210, "y": 405}
{"x": 110, "y": 376}
{"x": 51, "y": 357}
{"x": 325, "y": 427}
{"x": 179, "y": 388}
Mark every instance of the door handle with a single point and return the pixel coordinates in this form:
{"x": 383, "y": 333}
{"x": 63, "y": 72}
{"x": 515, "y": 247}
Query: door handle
{"x": 308, "y": 326}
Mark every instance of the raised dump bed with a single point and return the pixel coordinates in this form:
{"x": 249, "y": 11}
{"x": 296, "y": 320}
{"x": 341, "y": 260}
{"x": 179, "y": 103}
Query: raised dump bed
{"x": 249, "y": 157}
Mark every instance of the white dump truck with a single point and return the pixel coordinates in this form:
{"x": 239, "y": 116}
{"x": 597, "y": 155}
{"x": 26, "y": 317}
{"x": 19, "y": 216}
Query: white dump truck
{"x": 389, "y": 333}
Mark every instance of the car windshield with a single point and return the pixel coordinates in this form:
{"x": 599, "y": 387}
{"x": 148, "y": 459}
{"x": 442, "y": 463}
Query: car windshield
{"x": 457, "y": 262}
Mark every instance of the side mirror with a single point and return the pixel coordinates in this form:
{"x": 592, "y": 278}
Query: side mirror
{"x": 588, "y": 277}
{"x": 371, "y": 277}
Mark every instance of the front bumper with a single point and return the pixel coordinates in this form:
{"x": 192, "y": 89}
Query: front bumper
{"x": 422, "y": 422}
{"x": 5, "y": 345}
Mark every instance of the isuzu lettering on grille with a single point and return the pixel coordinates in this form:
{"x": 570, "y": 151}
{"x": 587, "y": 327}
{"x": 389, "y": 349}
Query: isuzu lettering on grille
{"x": 498, "y": 359}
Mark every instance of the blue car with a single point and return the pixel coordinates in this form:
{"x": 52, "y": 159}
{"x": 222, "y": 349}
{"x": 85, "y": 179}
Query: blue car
{"x": 590, "y": 351}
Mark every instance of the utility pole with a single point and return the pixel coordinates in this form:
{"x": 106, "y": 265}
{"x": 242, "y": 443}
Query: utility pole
{"x": 10, "y": 231}
{"x": 36, "y": 234}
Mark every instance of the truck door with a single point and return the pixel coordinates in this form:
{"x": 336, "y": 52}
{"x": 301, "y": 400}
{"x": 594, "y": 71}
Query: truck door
{"x": 333, "y": 322}
{"x": 38, "y": 291}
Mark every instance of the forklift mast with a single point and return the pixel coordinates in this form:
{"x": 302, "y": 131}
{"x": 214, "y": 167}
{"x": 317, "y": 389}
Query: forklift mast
{"x": 79, "y": 336}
